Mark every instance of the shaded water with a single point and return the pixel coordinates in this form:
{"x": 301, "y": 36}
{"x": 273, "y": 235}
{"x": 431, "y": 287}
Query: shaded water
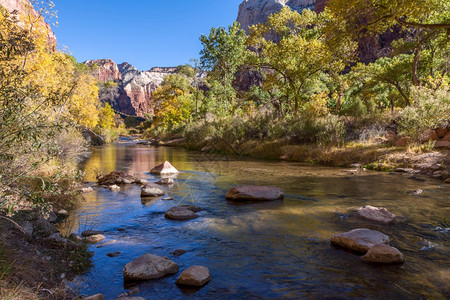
{"x": 263, "y": 250}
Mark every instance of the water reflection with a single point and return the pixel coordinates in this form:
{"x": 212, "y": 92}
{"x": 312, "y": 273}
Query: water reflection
{"x": 264, "y": 250}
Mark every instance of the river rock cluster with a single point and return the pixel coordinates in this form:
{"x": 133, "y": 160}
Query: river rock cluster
{"x": 372, "y": 243}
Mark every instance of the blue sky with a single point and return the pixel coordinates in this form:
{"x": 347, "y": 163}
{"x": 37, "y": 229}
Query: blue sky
{"x": 145, "y": 33}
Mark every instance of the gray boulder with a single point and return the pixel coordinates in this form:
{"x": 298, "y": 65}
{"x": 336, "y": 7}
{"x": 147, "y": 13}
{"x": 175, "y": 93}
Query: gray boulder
{"x": 375, "y": 214}
{"x": 180, "y": 213}
{"x": 149, "y": 266}
{"x": 151, "y": 190}
{"x": 194, "y": 276}
{"x": 360, "y": 240}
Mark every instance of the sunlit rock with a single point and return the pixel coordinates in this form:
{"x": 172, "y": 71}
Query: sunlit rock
{"x": 95, "y": 297}
{"x": 385, "y": 254}
{"x": 87, "y": 190}
{"x": 165, "y": 168}
{"x": 194, "y": 276}
{"x": 375, "y": 214}
{"x": 360, "y": 240}
{"x": 180, "y": 213}
{"x": 114, "y": 188}
{"x": 151, "y": 190}
{"x": 149, "y": 266}
{"x": 254, "y": 193}
{"x": 94, "y": 239}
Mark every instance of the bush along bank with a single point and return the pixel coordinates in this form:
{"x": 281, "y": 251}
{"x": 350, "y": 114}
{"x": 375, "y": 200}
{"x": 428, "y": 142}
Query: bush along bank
{"x": 332, "y": 141}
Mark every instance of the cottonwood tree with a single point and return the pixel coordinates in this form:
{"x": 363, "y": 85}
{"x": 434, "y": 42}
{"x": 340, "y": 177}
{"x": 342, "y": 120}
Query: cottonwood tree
{"x": 224, "y": 51}
{"x": 292, "y": 51}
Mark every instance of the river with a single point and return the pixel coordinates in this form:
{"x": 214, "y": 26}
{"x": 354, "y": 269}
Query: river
{"x": 263, "y": 250}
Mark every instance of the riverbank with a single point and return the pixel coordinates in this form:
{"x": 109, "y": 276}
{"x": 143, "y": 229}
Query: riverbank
{"x": 414, "y": 159}
{"x": 35, "y": 259}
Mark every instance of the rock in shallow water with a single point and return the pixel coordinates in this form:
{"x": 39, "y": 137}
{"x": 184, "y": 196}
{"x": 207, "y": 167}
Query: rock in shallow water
{"x": 149, "y": 266}
{"x": 254, "y": 193}
{"x": 360, "y": 240}
{"x": 95, "y": 297}
{"x": 164, "y": 169}
{"x": 180, "y": 213}
{"x": 151, "y": 190}
{"x": 194, "y": 276}
{"x": 385, "y": 254}
{"x": 94, "y": 239}
{"x": 375, "y": 214}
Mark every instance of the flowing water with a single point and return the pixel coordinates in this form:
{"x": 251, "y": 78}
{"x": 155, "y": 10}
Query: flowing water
{"x": 263, "y": 250}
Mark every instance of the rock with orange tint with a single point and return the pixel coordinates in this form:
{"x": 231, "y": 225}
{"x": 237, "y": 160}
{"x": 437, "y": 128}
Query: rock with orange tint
{"x": 441, "y": 132}
{"x": 165, "y": 168}
{"x": 194, "y": 276}
{"x": 384, "y": 254}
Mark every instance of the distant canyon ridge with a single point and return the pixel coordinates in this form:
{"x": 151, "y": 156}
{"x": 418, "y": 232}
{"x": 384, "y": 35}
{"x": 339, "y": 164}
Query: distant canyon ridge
{"x": 132, "y": 94}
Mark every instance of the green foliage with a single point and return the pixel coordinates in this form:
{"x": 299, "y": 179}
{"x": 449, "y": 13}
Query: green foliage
{"x": 131, "y": 122}
{"x": 290, "y": 44}
{"x": 430, "y": 110}
{"x": 222, "y": 54}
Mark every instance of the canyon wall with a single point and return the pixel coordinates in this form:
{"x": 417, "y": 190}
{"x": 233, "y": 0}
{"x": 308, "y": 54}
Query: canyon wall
{"x": 133, "y": 93}
{"x": 253, "y": 12}
{"x": 25, "y": 9}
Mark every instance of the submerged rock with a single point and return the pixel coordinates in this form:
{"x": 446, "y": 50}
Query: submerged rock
{"x": 194, "y": 276}
{"x": 360, "y": 240}
{"x": 149, "y": 266}
{"x": 385, "y": 254}
{"x": 180, "y": 213}
{"x": 166, "y": 181}
{"x": 164, "y": 169}
{"x": 254, "y": 193}
{"x": 117, "y": 177}
{"x": 113, "y": 254}
{"x": 151, "y": 190}
{"x": 179, "y": 252}
{"x": 375, "y": 214}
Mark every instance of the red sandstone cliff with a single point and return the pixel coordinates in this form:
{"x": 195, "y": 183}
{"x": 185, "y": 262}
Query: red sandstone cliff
{"x": 25, "y": 8}
{"x": 133, "y": 93}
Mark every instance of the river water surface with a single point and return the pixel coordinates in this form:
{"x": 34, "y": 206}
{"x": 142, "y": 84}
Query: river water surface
{"x": 263, "y": 250}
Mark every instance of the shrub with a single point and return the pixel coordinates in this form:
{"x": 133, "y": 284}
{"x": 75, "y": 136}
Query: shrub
{"x": 429, "y": 110}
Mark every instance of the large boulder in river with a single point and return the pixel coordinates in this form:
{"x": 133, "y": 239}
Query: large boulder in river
{"x": 151, "y": 190}
{"x": 117, "y": 177}
{"x": 360, "y": 240}
{"x": 375, "y": 214}
{"x": 149, "y": 266}
{"x": 194, "y": 276}
{"x": 254, "y": 193}
{"x": 180, "y": 213}
{"x": 164, "y": 169}
{"x": 384, "y": 254}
